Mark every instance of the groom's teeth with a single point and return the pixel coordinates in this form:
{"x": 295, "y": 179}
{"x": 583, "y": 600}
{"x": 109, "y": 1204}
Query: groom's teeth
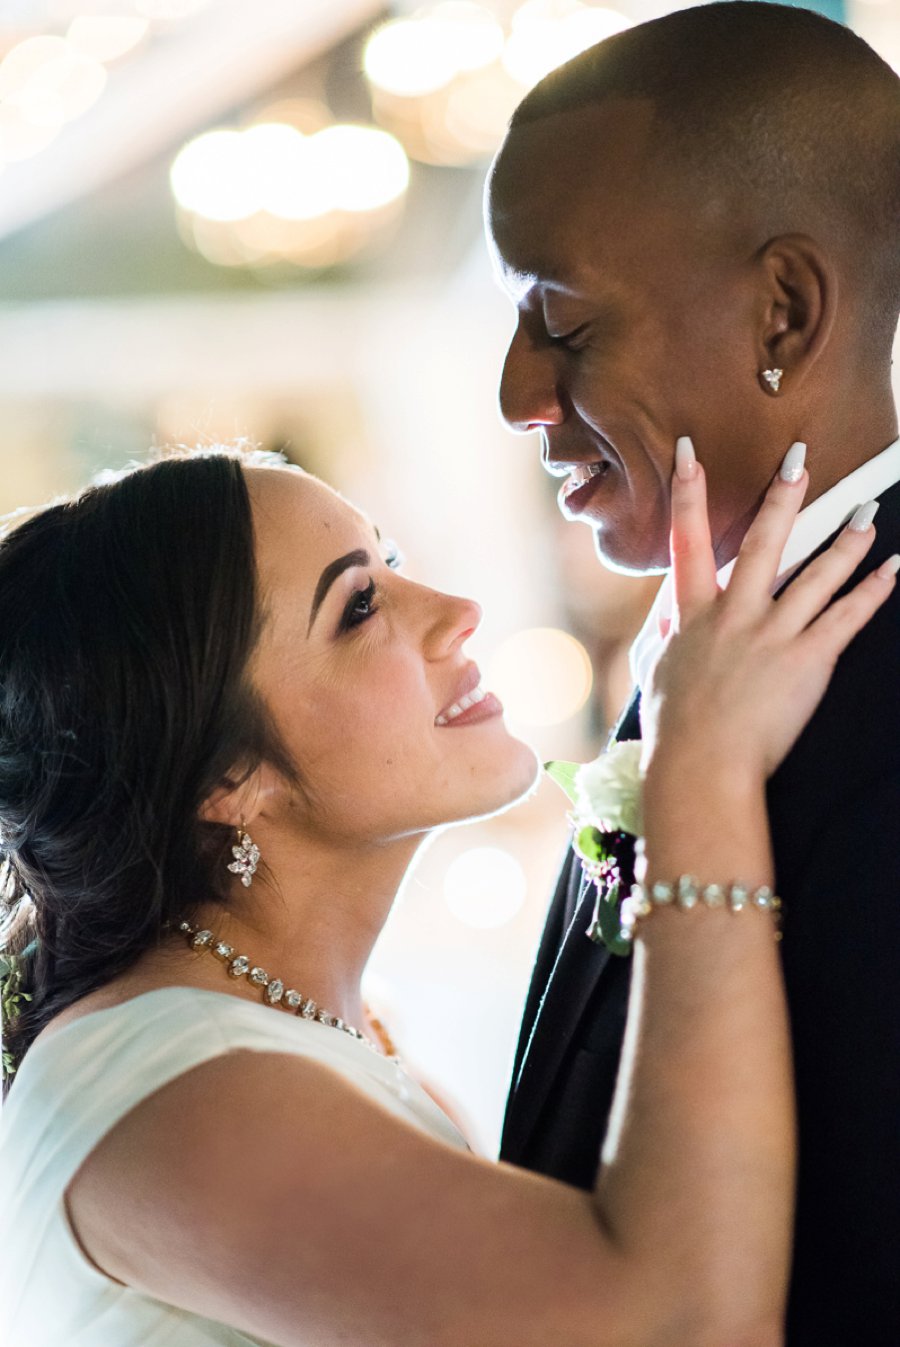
{"x": 471, "y": 699}
{"x": 580, "y": 476}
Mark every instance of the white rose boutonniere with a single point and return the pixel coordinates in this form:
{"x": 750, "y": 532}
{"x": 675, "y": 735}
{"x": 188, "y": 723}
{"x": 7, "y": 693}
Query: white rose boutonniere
{"x": 606, "y": 814}
{"x": 608, "y": 790}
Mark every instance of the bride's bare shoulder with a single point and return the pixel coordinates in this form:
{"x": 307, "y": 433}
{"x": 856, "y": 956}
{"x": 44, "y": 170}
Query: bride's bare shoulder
{"x": 149, "y": 974}
{"x": 269, "y": 1192}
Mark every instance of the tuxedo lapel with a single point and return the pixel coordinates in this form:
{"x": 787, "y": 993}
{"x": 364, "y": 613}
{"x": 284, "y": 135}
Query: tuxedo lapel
{"x": 573, "y": 975}
{"x": 577, "y": 970}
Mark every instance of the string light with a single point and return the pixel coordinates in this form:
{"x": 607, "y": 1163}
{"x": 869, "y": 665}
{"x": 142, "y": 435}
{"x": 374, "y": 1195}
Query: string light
{"x": 271, "y": 193}
{"x": 47, "y": 80}
{"x": 169, "y": 11}
{"x": 446, "y": 80}
{"x": 363, "y": 167}
{"x": 416, "y": 56}
{"x": 209, "y": 177}
{"x": 546, "y": 33}
{"x": 106, "y": 37}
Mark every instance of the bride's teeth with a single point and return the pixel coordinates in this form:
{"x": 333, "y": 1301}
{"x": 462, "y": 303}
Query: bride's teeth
{"x": 471, "y": 699}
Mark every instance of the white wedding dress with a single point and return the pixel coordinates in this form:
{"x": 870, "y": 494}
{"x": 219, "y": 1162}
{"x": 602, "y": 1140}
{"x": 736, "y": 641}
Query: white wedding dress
{"x": 72, "y": 1088}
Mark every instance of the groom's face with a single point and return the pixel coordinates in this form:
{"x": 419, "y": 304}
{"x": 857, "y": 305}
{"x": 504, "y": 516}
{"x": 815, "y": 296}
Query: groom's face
{"x": 634, "y": 326}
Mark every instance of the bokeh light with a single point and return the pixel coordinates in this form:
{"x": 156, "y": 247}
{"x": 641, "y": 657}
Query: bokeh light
{"x": 228, "y": 175}
{"x": 281, "y": 177}
{"x": 62, "y": 89}
{"x": 543, "y": 676}
{"x": 106, "y": 37}
{"x": 446, "y": 79}
{"x": 269, "y": 193}
{"x": 416, "y": 56}
{"x": 211, "y": 177}
{"x": 45, "y": 81}
{"x": 48, "y": 80}
{"x": 362, "y": 168}
{"x": 485, "y": 887}
{"x": 169, "y": 11}
{"x": 20, "y": 137}
{"x": 25, "y": 59}
{"x": 546, "y": 33}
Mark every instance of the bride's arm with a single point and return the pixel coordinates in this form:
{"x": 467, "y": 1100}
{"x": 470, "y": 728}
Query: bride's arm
{"x": 265, "y": 1191}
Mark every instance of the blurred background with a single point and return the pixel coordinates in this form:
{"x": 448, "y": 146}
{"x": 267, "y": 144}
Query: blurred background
{"x": 228, "y": 220}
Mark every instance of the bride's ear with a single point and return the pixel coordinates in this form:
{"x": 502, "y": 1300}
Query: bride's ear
{"x": 238, "y": 803}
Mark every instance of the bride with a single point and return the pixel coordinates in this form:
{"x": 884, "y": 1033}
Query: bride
{"x": 226, "y": 724}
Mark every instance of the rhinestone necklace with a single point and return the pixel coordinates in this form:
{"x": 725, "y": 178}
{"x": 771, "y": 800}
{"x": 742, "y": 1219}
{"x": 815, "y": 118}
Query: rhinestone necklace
{"x": 274, "y": 992}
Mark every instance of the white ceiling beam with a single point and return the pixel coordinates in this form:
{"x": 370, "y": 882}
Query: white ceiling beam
{"x": 224, "y": 56}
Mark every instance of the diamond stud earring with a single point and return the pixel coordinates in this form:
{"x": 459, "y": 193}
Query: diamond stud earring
{"x": 246, "y": 858}
{"x": 773, "y": 378}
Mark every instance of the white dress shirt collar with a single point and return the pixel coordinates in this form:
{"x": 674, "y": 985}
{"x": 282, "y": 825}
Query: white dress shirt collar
{"x": 812, "y": 526}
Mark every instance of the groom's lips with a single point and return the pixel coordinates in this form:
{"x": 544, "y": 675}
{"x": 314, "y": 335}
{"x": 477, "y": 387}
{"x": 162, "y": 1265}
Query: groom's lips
{"x": 580, "y": 489}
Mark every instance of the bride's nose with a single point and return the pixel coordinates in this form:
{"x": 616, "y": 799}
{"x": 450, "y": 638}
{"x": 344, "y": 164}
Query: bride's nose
{"x": 453, "y": 621}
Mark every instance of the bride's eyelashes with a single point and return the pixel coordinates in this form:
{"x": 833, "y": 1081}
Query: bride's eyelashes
{"x": 361, "y": 604}
{"x": 360, "y": 607}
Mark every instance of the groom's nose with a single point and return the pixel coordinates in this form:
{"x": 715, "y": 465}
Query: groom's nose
{"x": 530, "y": 395}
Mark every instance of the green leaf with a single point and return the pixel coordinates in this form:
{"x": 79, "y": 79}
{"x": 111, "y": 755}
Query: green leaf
{"x": 606, "y": 927}
{"x": 589, "y": 845}
{"x": 564, "y": 773}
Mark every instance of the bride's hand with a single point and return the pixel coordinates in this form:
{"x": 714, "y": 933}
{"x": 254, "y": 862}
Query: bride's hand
{"x": 743, "y": 672}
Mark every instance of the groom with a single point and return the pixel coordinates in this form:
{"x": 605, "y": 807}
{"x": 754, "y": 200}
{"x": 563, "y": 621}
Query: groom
{"x": 698, "y": 221}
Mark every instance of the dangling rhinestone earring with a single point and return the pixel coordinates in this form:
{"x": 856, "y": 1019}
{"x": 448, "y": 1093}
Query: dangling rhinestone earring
{"x": 246, "y": 858}
{"x": 773, "y": 378}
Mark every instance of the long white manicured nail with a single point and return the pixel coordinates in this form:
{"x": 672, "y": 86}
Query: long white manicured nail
{"x": 888, "y": 569}
{"x": 685, "y": 458}
{"x": 792, "y": 464}
{"x": 862, "y": 518}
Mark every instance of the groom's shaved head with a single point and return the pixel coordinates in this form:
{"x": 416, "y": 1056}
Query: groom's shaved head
{"x": 676, "y": 213}
{"x": 760, "y": 113}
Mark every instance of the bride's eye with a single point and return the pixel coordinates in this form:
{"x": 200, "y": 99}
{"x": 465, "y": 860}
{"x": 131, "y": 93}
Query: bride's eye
{"x": 361, "y": 607}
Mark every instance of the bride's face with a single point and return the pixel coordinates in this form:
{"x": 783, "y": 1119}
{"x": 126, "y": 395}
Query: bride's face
{"x": 364, "y": 670}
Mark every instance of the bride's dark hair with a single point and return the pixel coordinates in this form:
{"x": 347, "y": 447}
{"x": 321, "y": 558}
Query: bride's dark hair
{"x": 128, "y": 615}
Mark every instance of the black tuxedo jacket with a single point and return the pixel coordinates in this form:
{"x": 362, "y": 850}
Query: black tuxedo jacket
{"x": 834, "y": 806}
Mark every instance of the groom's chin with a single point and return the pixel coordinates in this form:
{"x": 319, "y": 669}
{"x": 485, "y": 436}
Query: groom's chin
{"x": 636, "y": 560}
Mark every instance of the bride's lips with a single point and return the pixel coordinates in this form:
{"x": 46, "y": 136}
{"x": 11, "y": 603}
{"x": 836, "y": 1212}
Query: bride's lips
{"x": 470, "y": 703}
{"x": 584, "y": 483}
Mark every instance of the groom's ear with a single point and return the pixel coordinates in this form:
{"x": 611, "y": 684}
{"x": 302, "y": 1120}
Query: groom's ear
{"x": 798, "y": 300}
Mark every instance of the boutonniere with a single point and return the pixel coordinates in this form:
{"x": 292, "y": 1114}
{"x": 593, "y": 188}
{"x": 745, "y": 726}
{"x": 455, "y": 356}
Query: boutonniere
{"x": 606, "y": 814}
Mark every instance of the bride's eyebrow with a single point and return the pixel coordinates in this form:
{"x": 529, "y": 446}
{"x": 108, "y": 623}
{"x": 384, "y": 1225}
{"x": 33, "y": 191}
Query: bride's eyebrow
{"x": 359, "y": 557}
